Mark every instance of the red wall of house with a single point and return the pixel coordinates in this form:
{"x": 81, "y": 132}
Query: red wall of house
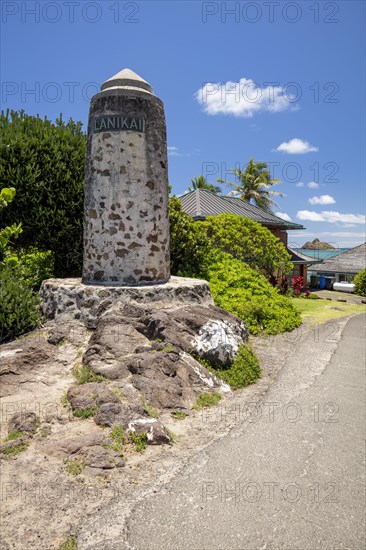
{"x": 280, "y": 234}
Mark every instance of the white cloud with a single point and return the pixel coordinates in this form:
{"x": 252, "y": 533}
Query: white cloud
{"x": 244, "y": 98}
{"x": 323, "y": 199}
{"x": 313, "y": 185}
{"x": 174, "y": 152}
{"x": 296, "y": 146}
{"x": 331, "y": 217}
{"x": 300, "y": 184}
{"x": 283, "y": 216}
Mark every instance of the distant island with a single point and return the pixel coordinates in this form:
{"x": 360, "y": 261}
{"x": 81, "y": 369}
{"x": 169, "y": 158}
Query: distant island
{"x": 316, "y": 244}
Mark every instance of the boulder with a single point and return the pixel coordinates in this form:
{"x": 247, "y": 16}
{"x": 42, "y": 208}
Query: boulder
{"x": 89, "y": 395}
{"x": 111, "y": 342}
{"x": 109, "y": 414}
{"x": 171, "y": 380}
{"x": 20, "y": 360}
{"x": 155, "y": 432}
{"x": 23, "y": 422}
{"x": 102, "y": 458}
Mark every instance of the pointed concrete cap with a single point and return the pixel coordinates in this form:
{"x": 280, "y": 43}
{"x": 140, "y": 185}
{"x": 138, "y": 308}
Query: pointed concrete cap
{"x": 127, "y": 79}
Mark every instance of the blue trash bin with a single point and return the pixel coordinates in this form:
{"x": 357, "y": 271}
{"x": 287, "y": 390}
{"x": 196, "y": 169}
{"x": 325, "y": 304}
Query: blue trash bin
{"x": 322, "y": 283}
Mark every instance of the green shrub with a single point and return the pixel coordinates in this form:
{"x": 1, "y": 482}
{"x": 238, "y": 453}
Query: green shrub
{"x": 33, "y": 266}
{"x": 44, "y": 162}
{"x": 19, "y": 305}
{"x": 248, "y": 241}
{"x": 360, "y": 282}
{"x": 244, "y": 370}
{"x": 189, "y": 245}
{"x": 241, "y": 290}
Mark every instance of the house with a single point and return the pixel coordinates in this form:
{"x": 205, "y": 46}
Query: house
{"x": 343, "y": 266}
{"x": 201, "y": 203}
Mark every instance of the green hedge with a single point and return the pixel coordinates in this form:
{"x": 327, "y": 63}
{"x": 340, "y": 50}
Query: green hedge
{"x": 44, "y": 162}
{"x": 19, "y": 305}
{"x": 360, "y": 282}
{"x": 241, "y": 290}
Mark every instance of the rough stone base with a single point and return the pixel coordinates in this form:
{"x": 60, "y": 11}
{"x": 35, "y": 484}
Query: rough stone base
{"x": 89, "y": 302}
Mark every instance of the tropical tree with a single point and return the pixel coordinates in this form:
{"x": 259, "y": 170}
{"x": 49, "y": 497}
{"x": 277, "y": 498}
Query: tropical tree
{"x": 202, "y": 183}
{"x": 254, "y": 185}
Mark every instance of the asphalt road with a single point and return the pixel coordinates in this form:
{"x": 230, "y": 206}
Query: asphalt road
{"x": 292, "y": 477}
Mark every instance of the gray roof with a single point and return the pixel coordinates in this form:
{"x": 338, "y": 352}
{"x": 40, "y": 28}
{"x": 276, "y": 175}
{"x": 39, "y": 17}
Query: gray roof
{"x": 351, "y": 261}
{"x": 300, "y": 258}
{"x": 201, "y": 203}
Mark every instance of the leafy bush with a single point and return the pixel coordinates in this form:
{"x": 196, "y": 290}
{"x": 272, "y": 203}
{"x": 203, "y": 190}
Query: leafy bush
{"x": 8, "y": 233}
{"x": 248, "y": 241}
{"x": 33, "y": 266}
{"x": 360, "y": 283}
{"x": 244, "y": 370}
{"x": 19, "y": 305}
{"x": 189, "y": 246}
{"x": 44, "y": 162}
{"x": 241, "y": 290}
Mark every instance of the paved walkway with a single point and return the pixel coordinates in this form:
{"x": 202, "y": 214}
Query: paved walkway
{"x": 292, "y": 478}
{"x": 334, "y": 295}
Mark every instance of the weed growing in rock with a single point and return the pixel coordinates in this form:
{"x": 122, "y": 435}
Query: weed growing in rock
{"x": 179, "y": 415}
{"x": 83, "y": 374}
{"x": 153, "y": 413}
{"x": 169, "y": 349}
{"x": 85, "y": 413}
{"x": 120, "y": 439}
{"x": 139, "y": 441}
{"x": 15, "y": 450}
{"x": 14, "y": 435}
{"x": 173, "y": 438}
{"x": 69, "y": 544}
{"x": 74, "y": 466}
{"x": 207, "y": 400}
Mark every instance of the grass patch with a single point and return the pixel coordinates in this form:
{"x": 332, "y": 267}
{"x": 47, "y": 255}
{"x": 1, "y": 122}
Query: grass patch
{"x": 139, "y": 441}
{"x": 207, "y": 400}
{"x": 179, "y": 415}
{"x": 83, "y": 374}
{"x": 120, "y": 439}
{"x": 117, "y": 392}
{"x": 173, "y": 438}
{"x": 85, "y": 413}
{"x": 243, "y": 371}
{"x": 74, "y": 466}
{"x": 153, "y": 413}
{"x": 15, "y": 450}
{"x": 169, "y": 349}
{"x": 14, "y": 435}
{"x": 319, "y": 311}
{"x": 69, "y": 544}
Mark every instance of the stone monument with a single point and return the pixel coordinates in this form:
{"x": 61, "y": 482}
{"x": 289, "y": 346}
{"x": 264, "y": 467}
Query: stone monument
{"x": 126, "y": 225}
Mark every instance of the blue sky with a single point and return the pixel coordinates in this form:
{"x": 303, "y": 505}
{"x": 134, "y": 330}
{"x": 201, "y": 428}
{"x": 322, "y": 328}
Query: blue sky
{"x": 283, "y": 82}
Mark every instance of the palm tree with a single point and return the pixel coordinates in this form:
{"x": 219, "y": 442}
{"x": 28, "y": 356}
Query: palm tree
{"x": 202, "y": 183}
{"x": 254, "y": 184}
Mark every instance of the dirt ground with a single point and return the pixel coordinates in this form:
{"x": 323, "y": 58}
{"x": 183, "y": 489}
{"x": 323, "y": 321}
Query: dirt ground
{"x": 42, "y": 504}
